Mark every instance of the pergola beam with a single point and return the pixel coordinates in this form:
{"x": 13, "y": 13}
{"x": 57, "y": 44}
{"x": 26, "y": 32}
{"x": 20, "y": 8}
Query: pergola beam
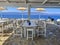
{"x": 8, "y": 1}
{"x": 44, "y": 2}
{"x": 26, "y": 1}
{"x": 32, "y": 4}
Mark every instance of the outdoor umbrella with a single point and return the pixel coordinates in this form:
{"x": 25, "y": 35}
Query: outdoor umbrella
{"x": 1, "y": 9}
{"x": 40, "y": 10}
{"x": 22, "y": 9}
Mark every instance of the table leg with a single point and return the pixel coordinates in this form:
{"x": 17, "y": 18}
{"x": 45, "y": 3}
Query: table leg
{"x": 24, "y": 32}
{"x": 34, "y": 31}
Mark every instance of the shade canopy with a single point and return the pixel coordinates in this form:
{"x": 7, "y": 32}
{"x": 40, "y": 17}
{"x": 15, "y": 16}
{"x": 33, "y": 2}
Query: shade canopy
{"x": 40, "y": 9}
{"x": 21, "y": 8}
{"x": 2, "y": 8}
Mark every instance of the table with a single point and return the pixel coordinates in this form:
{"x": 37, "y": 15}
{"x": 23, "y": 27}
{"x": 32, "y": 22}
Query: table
{"x": 25, "y": 26}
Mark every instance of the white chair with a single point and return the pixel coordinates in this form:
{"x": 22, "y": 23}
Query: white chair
{"x": 41, "y": 28}
{"x": 18, "y": 32}
{"x": 18, "y": 23}
{"x": 29, "y": 33}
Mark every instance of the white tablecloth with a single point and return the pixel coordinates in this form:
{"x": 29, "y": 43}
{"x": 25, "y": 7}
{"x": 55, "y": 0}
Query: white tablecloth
{"x": 25, "y": 24}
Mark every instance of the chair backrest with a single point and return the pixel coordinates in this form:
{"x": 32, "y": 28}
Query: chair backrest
{"x": 36, "y": 21}
{"x": 41, "y": 23}
{"x": 18, "y": 31}
{"x": 41, "y": 28}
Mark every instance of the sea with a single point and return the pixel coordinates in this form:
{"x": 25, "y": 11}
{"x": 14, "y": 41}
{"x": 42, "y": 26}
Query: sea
{"x": 33, "y": 15}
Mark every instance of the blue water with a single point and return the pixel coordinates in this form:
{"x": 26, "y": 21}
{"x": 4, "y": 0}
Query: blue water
{"x": 25, "y": 15}
{"x": 12, "y": 12}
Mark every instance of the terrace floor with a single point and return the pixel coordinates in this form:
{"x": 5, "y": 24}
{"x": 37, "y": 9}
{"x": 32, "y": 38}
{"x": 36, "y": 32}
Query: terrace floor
{"x": 49, "y": 40}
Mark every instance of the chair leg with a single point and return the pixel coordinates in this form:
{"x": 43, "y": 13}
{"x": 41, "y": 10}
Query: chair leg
{"x": 21, "y": 36}
{"x": 27, "y": 35}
